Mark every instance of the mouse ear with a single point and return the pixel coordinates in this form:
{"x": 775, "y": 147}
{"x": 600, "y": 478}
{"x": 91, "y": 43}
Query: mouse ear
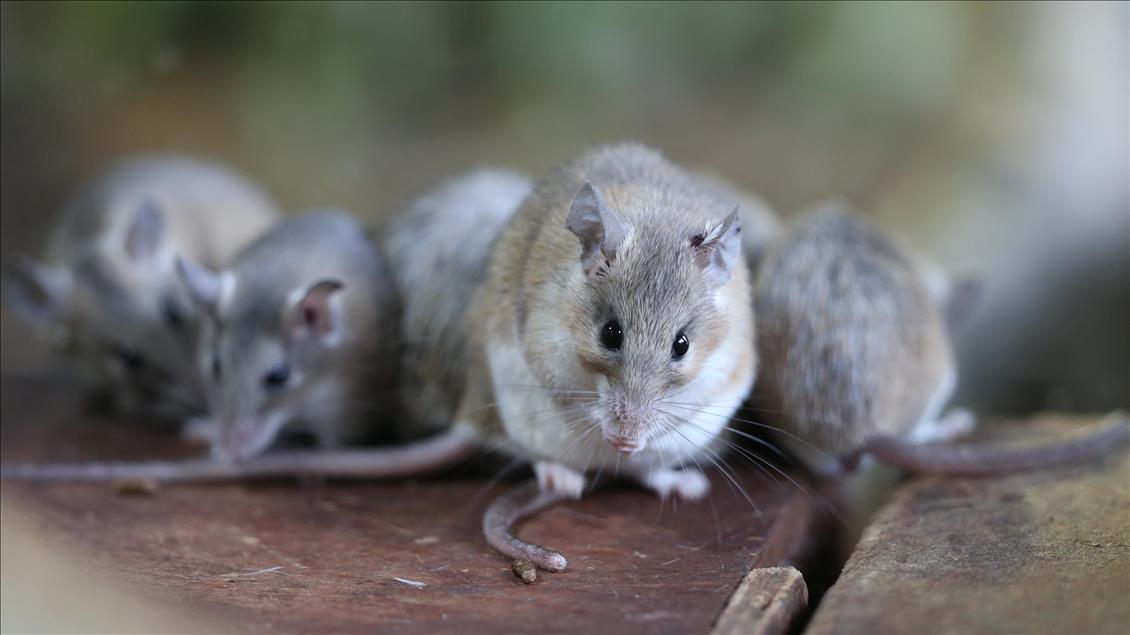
{"x": 209, "y": 290}
{"x": 36, "y": 292}
{"x": 718, "y": 248}
{"x": 315, "y": 312}
{"x": 95, "y": 274}
{"x": 146, "y": 232}
{"x": 601, "y": 233}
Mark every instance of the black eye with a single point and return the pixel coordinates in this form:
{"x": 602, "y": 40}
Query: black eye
{"x": 129, "y": 357}
{"x": 612, "y": 336}
{"x": 171, "y": 315}
{"x": 679, "y": 348}
{"x": 277, "y": 377}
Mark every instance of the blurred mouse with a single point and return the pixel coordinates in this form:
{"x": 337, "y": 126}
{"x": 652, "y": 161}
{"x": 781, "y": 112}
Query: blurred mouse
{"x": 106, "y": 295}
{"x": 299, "y": 329}
{"x": 856, "y": 358}
{"x": 438, "y": 249}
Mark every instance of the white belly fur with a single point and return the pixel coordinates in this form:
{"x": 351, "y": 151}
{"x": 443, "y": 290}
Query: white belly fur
{"x": 541, "y": 428}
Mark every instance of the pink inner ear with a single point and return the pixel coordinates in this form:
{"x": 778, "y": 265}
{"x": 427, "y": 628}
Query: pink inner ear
{"x": 315, "y": 315}
{"x": 310, "y": 316}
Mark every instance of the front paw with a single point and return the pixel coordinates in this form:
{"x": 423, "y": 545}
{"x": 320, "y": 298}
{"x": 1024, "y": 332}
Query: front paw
{"x": 559, "y": 479}
{"x": 688, "y": 484}
{"x": 200, "y": 432}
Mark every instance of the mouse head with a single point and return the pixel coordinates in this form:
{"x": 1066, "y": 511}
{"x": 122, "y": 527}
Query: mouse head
{"x": 650, "y": 310}
{"x": 118, "y": 311}
{"x": 262, "y": 355}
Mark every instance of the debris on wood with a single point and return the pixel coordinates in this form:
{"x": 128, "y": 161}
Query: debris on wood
{"x": 230, "y": 577}
{"x": 137, "y": 487}
{"x": 526, "y": 571}
{"x": 412, "y": 583}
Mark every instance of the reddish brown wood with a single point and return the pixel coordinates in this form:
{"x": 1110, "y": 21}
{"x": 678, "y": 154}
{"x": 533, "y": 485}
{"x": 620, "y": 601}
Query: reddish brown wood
{"x": 326, "y": 557}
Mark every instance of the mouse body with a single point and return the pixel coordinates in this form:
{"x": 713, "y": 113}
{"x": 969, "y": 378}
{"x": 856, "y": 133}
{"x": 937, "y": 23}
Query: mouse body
{"x": 857, "y": 360}
{"x": 613, "y": 296}
{"x": 300, "y": 327}
{"x": 106, "y": 294}
{"x": 438, "y": 248}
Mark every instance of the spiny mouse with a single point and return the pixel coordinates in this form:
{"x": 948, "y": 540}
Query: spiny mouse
{"x": 299, "y": 329}
{"x": 107, "y": 295}
{"x": 856, "y": 357}
{"x": 438, "y": 249}
{"x": 616, "y": 294}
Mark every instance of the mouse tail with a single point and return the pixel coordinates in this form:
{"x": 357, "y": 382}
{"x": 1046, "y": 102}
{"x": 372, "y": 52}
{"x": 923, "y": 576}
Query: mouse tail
{"x": 412, "y": 459}
{"x": 513, "y": 507}
{"x": 975, "y": 460}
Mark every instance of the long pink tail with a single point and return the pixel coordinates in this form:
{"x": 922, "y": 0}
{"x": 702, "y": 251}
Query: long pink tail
{"x": 513, "y": 507}
{"x": 440, "y": 451}
{"x": 973, "y": 460}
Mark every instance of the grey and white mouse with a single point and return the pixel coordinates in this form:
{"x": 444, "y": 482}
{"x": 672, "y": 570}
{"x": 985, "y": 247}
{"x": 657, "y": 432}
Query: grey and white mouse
{"x": 856, "y": 357}
{"x": 106, "y": 294}
{"x": 300, "y": 328}
{"x": 438, "y": 249}
{"x": 615, "y": 297}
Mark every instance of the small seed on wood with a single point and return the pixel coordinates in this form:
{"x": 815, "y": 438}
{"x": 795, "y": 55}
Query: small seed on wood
{"x": 525, "y": 570}
{"x": 137, "y": 487}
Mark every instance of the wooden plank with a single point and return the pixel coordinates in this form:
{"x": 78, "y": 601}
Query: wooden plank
{"x": 394, "y": 557}
{"x": 1041, "y": 552}
{"x": 768, "y": 601}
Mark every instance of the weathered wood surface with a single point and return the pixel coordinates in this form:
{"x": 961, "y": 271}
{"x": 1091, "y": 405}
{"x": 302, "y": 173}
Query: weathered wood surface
{"x": 767, "y": 601}
{"x": 326, "y": 557}
{"x": 1042, "y": 552}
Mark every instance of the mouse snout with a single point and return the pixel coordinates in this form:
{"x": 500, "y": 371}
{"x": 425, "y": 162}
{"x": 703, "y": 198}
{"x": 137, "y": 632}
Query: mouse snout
{"x": 628, "y": 423}
{"x": 241, "y": 441}
{"x": 627, "y": 445}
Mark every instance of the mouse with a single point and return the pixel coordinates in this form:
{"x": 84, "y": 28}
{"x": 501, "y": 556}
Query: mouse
{"x": 438, "y": 247}
{"x": 615, "y": 295}
{"x": 105, "y": 296}
{"x": 857, "y": 359}
{"x": 297, "y": 330}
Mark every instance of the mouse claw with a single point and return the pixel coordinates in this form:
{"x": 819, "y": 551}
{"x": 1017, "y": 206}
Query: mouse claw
{"x": 560, "y": 480}
{"x": 687, "y": 484}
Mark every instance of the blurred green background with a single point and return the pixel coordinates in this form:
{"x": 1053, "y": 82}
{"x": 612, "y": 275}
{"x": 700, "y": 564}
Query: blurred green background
{"x": 991, "y": 137}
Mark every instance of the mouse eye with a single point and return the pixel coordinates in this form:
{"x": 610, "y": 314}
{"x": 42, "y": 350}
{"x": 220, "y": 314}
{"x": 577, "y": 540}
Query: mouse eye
{"x": 680, "y": 347}
{"x": 612, "y": 336}
{"x": 277, "y": 376}
{"x": 129, "y": 357}
{"x": 171, "y": 315}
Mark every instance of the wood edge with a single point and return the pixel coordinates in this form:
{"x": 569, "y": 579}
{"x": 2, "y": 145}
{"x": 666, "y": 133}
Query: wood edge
{"x": 768, "y": 601}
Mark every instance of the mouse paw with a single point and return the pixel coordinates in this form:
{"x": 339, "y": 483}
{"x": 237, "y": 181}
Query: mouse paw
{"x": 202, "y": 431}
{"x": 686, "y": 484}
{"x": 557, "y": 478}
{"x": 955, "y": 424}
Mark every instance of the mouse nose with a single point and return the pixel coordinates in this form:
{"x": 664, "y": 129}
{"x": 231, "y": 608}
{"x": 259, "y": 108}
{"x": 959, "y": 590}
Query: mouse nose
{"x": 624, "y": 444}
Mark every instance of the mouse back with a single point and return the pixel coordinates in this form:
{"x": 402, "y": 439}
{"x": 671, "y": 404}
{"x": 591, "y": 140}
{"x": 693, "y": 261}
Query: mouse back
{"x": 438, "y": 250}
{"x": 852, "y": 343}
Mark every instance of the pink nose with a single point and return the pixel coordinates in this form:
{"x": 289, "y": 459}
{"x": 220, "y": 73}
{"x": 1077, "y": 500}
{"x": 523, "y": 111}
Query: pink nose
{"x": 623, "y": 444}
